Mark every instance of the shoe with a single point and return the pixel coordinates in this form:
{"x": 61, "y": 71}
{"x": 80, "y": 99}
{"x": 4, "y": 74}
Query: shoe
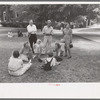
{"x": 65, "y": 56}
{"x": 69, "y": 57}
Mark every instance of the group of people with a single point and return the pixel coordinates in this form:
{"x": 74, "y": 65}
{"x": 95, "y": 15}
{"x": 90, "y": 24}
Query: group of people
{"x": 21, "y": 61}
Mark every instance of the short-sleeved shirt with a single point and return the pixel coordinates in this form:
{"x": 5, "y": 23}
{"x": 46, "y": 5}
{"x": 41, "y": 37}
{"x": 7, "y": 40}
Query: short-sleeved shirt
{"x": 31, "y": 29}
{"x": 67, "y": 35}
{"x": 37, "y": 48}
{"x": 47, "y": 30}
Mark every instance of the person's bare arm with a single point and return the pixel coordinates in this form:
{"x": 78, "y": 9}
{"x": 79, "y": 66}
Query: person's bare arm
{"x": 63, "y": 31}
{"x": 43, "y": 31}
{"x": 21, "y": 51}
{"x": 52, "y": 31}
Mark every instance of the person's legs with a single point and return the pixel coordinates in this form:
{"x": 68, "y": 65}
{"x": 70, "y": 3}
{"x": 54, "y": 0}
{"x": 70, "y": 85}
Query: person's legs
{"x": 30, "y": 55}
{"x": 49, "y": 42}
{"x": 22, "y": 70}
{"x": 24, "y": 57}
{"x": 25, "y": 68}
{"x": 38, "y": 52}
{"x": 69, "y": 51}
{"x": 66, "y": 50}
{"x": 57, "y": 63}
{"x": 31, "y": 41}
{"x": 58, "y": 58}
{"x": 45, "y": 43}
{"x": 34, "y": 38}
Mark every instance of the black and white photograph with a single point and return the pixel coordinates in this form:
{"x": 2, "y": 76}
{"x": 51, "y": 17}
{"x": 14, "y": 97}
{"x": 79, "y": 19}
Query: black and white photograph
{"x": 44, "y": 43}
{"x": 50, "y": 49}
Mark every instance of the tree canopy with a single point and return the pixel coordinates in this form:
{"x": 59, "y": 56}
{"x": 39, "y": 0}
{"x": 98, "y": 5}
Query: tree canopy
{"x": 55, "y": 12}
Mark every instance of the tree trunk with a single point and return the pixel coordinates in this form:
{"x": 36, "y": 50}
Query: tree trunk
{"x": 88, "y": 21}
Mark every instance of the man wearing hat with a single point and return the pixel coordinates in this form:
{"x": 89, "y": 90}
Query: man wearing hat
{"x": 47, "y": 31}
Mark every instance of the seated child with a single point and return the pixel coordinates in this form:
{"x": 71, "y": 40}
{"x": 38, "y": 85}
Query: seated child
{"x": 51, "y": 59}
{"x": 62, "y": 43}
{"x": 60, "y": 48}
{"x": 16, "y": 66}
{"x": 57, "y": 52}
{"x": 10, "y": 34}
{"x": 26, "y": 52}
{"x": 57, "y": 49}
{"x": 54, "y": 62}
{"x": 20, "y": 34}
{"x": 37, "y": 47}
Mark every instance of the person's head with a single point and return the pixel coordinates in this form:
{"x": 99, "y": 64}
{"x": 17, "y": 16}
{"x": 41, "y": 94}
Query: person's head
{"x": 31, "y": 22}
{"x": 48, "y": 23}
{"x": 67, "y": 25}
{"x": 62, "y": 41}
{"x": 16, "y": 54}
{"x": 57, "y": 46}
{"x": 26, "y": 44}
{"x": 38, "y": 41}
{"x": 50, "y": 54}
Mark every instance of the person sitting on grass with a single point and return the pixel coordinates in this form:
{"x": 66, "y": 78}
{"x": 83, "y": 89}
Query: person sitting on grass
{"x": 10, "y": 34}
{"x": 62, "y": 43}
{"x": 59, "y": 50}
{"x": 26, "y": 52}
{"x": 16, "y": 66}
{"x": 51, "y": 60}
{"x": 20, "y": 34}
{"x": 37, "y": 48}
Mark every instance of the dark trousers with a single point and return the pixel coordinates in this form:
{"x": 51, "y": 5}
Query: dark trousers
{"x": 32, "y": 39}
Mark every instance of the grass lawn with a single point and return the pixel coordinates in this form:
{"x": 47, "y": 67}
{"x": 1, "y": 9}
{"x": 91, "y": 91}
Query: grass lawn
{"x": 84, "y": 66}
{"x": 5, "y": 30}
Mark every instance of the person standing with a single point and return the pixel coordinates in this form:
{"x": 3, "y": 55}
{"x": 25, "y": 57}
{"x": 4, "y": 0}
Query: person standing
{"x": 48, "y": 32}
{"x": 67, "y": 31}
{"x": 31, "y": 28}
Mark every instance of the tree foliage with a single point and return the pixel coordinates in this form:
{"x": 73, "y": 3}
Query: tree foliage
{"x": 61, "y": 12}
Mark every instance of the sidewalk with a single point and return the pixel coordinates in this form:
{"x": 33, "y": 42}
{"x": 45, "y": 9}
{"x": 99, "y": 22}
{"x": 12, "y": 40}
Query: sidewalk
{"x": 81, "y": 32}
{"x": 94, "y": 36}
{"x": 87, "y": 33}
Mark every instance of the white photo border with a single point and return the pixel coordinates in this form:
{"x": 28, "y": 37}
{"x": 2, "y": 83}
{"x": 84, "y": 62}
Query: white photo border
{"x": 50, "y": 90}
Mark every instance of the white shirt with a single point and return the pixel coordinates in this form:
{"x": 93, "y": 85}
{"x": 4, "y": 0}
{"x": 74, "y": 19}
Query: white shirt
{"x": 36, "y": 48}
{"x": 32, "y": 29}
{"x": 10, "y": 34}
{"x": 15, "y": 64}
{"x": 47, "y": 30}
{"x": 53, "y": 63}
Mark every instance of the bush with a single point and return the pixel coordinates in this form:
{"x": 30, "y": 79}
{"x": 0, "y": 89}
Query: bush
{"x": 14, "y": 24}
{"x": 20, "y": 24}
